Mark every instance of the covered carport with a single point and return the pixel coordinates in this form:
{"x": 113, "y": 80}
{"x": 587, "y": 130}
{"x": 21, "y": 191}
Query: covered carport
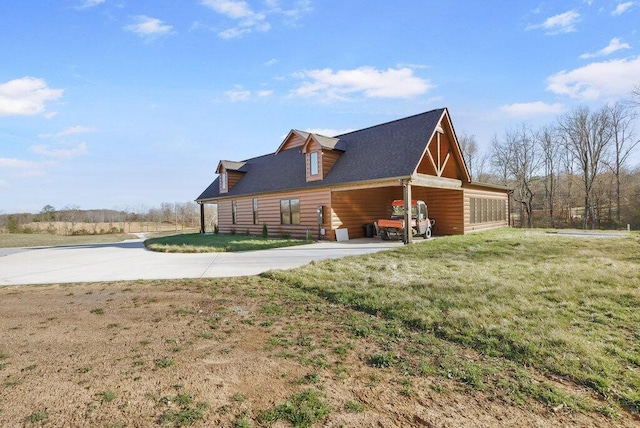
{"x": 353, "y": 207}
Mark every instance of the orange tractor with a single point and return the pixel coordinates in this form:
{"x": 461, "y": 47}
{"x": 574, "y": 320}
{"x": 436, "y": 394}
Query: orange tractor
{"x": 394, "y": 227}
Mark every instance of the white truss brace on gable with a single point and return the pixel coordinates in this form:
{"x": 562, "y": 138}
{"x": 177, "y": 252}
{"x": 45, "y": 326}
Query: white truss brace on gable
{"x": 439, "y": 167}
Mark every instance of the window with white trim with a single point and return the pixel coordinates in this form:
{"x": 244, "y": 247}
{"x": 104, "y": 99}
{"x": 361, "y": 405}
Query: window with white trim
{"x": 255, "y": 211}
{"x": 223, "y": 180}
{"x": 314, "y": 167}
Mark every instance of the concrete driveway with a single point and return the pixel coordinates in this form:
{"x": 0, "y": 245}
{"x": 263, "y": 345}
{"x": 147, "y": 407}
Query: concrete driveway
{"x": 129, "y": 260}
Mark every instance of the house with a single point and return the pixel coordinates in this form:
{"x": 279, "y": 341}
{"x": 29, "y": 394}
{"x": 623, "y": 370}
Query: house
{"x": 315, "y": 185}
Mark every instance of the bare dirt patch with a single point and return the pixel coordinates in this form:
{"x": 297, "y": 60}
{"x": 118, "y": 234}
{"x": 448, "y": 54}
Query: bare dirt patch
{"x": 216, "y": 353}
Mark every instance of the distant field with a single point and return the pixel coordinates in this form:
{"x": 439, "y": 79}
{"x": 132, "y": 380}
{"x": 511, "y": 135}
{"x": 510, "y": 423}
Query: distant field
{"x": 10, "y": 240}
{"x": 67, "y": 228}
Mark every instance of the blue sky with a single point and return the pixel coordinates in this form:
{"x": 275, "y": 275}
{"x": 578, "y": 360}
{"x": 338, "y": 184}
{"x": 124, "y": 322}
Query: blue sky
{"x": 130, "y": 103}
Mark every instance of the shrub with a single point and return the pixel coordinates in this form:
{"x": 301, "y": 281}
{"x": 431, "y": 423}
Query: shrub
{"x": 265, "y": 231}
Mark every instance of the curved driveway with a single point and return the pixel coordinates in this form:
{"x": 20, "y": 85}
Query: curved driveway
{"x": 129, "y": 260}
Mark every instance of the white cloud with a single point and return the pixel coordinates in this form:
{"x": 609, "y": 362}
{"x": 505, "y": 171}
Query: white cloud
{"x": 238, "y": 94}
{"x": 59, "y": 153}
{"x": 72, "y": 130}
{"x": 26, "y": 96}
{"x": 614, "y": 45}
{"x": 4, "y": 185}
{"x": 561, "y": 23}
{"x": 622, "y": 8}
{"x": 372, "y": 83}
{"x": 597, "y": 80}
{"x": 87, "y": 4}
{"x": 16, "y": 163}
{"x": 230, "y": 8}
{"x": 271, "y": 62}
{"x": 247, "y": 20}
{"x": 265, "y": 93}
{"x": 293, "y": 12}
{"x": 536, "y": 108}
{"x": 149, "y": 28}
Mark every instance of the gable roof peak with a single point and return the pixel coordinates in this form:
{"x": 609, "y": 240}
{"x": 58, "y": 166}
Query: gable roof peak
{"x": 324, "y": 142}
{"x": 228, "y": 165}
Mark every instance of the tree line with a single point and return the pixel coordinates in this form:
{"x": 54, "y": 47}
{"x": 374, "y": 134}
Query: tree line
{"x": 71, "y": 220}
{"x": 573, "y": 172}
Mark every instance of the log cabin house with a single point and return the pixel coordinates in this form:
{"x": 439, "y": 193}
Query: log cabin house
{"x": 319, "y": 186}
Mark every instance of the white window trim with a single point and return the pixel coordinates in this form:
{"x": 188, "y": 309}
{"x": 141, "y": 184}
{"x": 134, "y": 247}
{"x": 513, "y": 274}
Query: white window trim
{"x": 314, "y": 164}
{"x": 224, "y": 179}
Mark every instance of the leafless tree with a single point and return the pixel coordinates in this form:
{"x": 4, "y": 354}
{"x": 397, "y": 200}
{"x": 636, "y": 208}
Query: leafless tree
{"x": 622, "y": 116}
{"x": 517, "y": 156}
{"x": 70, "y": 214}
{"x": 587, "y": 136}
{"x": 635, "y": 95}
{"x": 477, "y": 162}
{"x": 551, "y": 152}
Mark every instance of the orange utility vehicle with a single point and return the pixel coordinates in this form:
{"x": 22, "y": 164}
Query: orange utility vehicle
{"x": 394, "y": 226}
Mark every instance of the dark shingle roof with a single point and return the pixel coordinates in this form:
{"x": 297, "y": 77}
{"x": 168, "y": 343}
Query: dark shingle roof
{"x": 388, "y": 150}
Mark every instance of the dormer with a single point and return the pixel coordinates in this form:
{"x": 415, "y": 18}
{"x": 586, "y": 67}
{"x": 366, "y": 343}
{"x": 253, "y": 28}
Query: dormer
{"x": 320, "y": 155}
{"x": 230, "y": 174}
{"x": 293, "y": 139}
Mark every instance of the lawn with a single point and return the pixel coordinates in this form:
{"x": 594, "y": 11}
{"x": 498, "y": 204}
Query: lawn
{"x": 208, "y": 243}
{"x": 499, "y": 328}
{"x": 527, "y": 304}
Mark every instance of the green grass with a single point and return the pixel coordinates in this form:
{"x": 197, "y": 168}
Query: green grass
{"x": 15, "y": 240}
{"x": 164, "y": 362}
{"x": 300, "y": 410}
{"x": 205, "y": 243}
{"x": 524, "y": 302}
{"x": 186, "y": 413}
{"x": 37, "y": 417}
{"x": 354, "y": 407}
{"x": 107, "y": 396}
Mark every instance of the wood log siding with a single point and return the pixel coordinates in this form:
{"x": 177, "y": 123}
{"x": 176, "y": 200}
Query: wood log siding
{"x": 445, "y": 206}
{"x": 232, "y": 179}
{"x": 329, "y": 157}
{"x": 294, "y": 140}
{"x": 352, "y": 209}
{"x": 326, "y": 159}
{"x": 269, "y": 214}
{"x": 479, "y": 194}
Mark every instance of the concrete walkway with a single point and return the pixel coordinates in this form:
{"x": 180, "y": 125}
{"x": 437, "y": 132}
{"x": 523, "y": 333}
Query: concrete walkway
{"x": 129, "y": 260}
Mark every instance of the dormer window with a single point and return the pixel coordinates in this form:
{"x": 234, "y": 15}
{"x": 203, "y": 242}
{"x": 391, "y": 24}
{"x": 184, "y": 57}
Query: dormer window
{"x": 230, "y": 173}
{"x": 223, "y": 181}
{"x": 314, "y": 163}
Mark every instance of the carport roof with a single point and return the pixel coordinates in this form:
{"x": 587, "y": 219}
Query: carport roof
{"x": 389, "y": 150}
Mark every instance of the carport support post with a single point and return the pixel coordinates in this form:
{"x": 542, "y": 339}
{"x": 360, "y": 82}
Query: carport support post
{"x": 408, "y": 235}
{"x": 201, "y": 217}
